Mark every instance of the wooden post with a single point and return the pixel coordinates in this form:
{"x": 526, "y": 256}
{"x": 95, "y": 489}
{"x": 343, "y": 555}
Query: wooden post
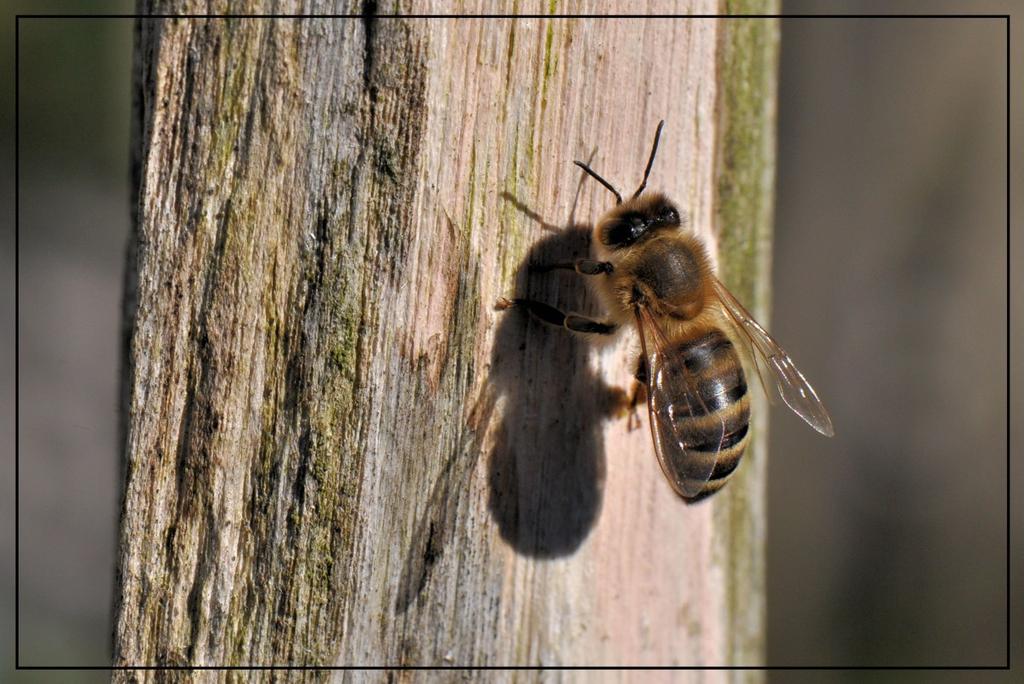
{"x": 337, "y": 452}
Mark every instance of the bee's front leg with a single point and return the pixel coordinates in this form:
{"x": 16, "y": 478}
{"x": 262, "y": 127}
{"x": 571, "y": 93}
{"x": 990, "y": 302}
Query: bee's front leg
{"x": 581, "y": 266}
{"x": 552, "y": 316}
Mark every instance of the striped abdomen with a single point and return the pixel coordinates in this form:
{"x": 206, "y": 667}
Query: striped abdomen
{"x": 714, "y": 371}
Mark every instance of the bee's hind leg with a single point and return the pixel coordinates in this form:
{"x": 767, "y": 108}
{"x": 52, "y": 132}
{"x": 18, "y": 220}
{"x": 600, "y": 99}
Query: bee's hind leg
{"x": 638, "y": 396}
{"x": 624, "y": 404}
{"x": 552, "y": 316}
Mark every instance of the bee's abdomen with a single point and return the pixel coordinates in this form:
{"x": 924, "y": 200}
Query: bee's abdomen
{"x": 715, "y": 372}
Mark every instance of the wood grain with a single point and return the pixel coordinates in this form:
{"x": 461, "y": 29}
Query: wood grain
{"x": 337, "y": 452}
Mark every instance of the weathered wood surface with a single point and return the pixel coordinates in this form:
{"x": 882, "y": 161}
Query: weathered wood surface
{"x": 336, "y": 451}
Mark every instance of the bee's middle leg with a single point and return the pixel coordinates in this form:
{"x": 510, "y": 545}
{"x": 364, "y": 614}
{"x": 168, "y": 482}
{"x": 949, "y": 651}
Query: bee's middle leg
{"x": 552, "y": 316}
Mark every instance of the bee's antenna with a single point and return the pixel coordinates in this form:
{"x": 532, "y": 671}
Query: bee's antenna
{"x": 650, "y": 162}
{"x": 602, "y": 181}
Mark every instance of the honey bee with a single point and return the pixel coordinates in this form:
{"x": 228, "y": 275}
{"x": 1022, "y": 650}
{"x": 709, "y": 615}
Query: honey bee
{"x": 651, "y": 273}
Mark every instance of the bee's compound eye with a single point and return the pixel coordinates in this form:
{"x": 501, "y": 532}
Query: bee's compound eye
{"x": 637, "y": 227}
{"x": 625, "y": 230}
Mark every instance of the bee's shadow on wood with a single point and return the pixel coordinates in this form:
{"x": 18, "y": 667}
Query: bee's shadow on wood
{"x": 547, "y": 465}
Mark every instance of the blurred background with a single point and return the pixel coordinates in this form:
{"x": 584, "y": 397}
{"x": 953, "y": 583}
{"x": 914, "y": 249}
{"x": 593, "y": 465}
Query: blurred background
{"x": 887, "y": 548}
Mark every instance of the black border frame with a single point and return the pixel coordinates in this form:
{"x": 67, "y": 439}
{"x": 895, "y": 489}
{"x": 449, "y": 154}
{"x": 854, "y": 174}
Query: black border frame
{"x": 112, "y": 667}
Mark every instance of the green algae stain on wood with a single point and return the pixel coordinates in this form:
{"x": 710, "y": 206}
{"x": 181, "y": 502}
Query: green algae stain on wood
{"x": 748, "y": 66}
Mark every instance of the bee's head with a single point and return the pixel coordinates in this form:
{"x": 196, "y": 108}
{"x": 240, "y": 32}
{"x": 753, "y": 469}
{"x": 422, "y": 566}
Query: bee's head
{"x": 637, "y": 219}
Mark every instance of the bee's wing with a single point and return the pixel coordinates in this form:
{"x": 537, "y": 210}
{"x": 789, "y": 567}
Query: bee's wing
{"x": 790, "y": 383}
{"x": 687, "y": 435}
